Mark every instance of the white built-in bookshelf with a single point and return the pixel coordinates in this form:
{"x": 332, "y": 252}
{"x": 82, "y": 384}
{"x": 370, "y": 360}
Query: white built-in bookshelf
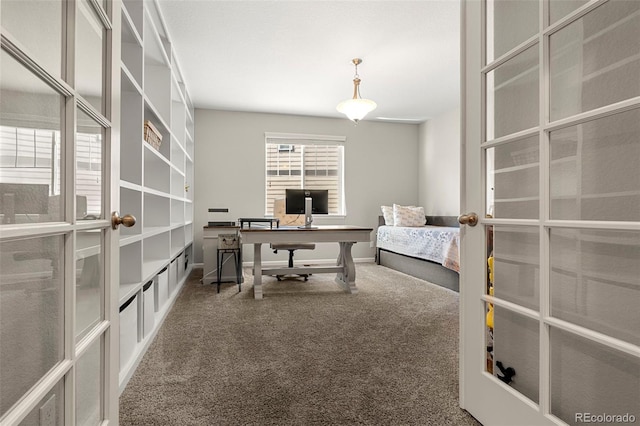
{"x": 156, "y": 185}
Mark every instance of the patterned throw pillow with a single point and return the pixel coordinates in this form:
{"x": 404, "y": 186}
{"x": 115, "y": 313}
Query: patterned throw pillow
{"x": 387, "y": 212}
{"x": 408, "y": 216}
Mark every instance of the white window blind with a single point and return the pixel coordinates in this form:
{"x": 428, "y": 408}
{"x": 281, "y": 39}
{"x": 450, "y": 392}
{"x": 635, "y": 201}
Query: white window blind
{"x": 30, "y": 156}
{"x": 304, "y": 161}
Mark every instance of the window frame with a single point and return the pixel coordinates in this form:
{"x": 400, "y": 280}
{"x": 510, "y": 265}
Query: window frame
{"x": 306, "y": 140}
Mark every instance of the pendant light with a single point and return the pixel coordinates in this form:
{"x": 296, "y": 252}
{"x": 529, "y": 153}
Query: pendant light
{"x": 356, "y": 108}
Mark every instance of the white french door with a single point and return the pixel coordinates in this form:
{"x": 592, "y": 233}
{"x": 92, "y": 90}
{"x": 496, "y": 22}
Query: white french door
{"x": 59, "y": 120}
{"x": 550, "y": 282}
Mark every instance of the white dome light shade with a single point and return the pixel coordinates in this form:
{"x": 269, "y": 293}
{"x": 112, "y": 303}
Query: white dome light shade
{"x": 356, "y": 109}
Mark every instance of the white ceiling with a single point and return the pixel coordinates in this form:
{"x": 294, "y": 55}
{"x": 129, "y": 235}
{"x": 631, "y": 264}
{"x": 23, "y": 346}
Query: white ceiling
{"x": 294, "y": 57}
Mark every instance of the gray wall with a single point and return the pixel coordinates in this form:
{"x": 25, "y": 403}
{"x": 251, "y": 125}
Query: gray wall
{"x": 381, "y": 167}
{"x": 439, "y": 164}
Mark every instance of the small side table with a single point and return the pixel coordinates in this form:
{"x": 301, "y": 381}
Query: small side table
{"x": 229, "y": 244}
{"x": 249, "y": 220}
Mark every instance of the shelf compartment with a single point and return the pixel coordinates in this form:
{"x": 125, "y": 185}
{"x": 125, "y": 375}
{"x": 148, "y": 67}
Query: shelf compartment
{"x": 131, "y": 54}
{"x": 177, "y": 184}
{"x": 177, "y": 76}
{"x": 173, "y": 276}
{"x": 131, "y": 203}
{"x": 129, "y": 331}
{"x": 188, "y": 233}
{"x": 148, "y": 308}
{"x": 156, "y": 172}
{"x": 177, "y": 212}
{"x": 135, "y": 11}
{"x": 189, "y": 145}
{"x": 156, "y": 24}
{"x": 156, "y": 211}
{"x": 182, "y": 266}
{"x": 157, "y": 71}
{"x": 190, "y": 115}
{"x": 161, "y": 290}
{"x": 130, "y": 270}
{"x": 177, "y": 155}
{"x": 177, "y": 240}
{"x": 155, "y": 254}
{"x": 178, "y": 114}
{"x": 188, "y": 180}
{"x": 188, "y": 212}
{"x": 151, "y": 114}
{"x": 131, "y": 131}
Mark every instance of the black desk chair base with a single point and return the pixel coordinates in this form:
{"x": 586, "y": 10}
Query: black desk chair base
{"x": 291, "y": 248}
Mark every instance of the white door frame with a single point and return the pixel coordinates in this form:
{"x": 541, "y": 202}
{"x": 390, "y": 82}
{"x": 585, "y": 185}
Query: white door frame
{"x": 107, "y": 329}
{"x": 485, "y": 397}
{"x": 480, "y": 393}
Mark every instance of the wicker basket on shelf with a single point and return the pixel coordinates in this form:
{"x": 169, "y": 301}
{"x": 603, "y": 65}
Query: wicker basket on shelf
{"x": 151, "y": 135}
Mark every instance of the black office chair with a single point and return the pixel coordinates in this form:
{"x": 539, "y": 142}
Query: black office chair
{"x": 291, "y": 247}
{"x": 279, "y": 211}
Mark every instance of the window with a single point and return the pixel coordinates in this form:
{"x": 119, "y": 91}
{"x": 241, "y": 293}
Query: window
{"x": 32, "y": 156}
{"x": 304, "y": 161}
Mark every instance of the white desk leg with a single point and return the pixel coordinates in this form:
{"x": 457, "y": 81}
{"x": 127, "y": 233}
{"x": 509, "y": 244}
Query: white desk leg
{"x": 257, "y": 271}
{"x": 340, "y": 262}
{"x": 347, "y": 278}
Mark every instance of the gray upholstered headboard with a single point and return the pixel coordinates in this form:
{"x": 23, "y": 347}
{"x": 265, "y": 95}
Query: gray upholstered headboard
{"x": 443, "y": 221}
{"x": 433, "y": 220}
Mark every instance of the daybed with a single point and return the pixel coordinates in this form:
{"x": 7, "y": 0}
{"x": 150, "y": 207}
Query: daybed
{"x": 428, "y": 252}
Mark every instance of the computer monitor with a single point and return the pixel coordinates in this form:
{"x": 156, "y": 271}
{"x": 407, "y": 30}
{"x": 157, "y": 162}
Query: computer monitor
{"x": 55, "y": 204}
{"x": 307, "y": 202}
{"x": 21, "y": 198}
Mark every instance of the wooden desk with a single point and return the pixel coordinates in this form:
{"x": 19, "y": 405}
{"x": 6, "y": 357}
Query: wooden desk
{"x": 346, "y": 236}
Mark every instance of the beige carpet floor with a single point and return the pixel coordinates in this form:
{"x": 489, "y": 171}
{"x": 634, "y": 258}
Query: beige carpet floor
{"x": 307, "y": 354}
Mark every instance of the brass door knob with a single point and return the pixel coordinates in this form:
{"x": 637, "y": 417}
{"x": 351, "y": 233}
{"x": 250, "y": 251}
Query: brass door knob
{"x": 470, "y": 219}
{"x": 126, "y": 220}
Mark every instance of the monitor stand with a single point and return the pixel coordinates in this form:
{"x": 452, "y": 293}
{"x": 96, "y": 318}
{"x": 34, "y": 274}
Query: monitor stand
{"x": 308, "y": 217}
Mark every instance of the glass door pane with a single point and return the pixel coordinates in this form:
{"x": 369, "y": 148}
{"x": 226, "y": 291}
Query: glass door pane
{"x": 595, "y": 61}
{"x": 89, "y": 171}
{"x": 594, "y": 170}
{"x": 561, "y": 8}
{"x": 90, "y": 45}
{"x": 509, "y": 23}
{"x": 590, "y": 380}
{"x": 595, "y": 280}
{"x": 30, "y": 123}
{"x": 89, "y": 386}
{"x": 513, "y": 171}
{"x": 89, "y": 281}
{"x": 513, "y": 95}
{"x": 516, "y": 265}
{"x": 20, "y": 17}
{"x": 516, "y": 351}
{"x": 31, "y": 313}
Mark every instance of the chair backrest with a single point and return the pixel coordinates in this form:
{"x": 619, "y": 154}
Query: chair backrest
{"x": 279, "y": 212}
